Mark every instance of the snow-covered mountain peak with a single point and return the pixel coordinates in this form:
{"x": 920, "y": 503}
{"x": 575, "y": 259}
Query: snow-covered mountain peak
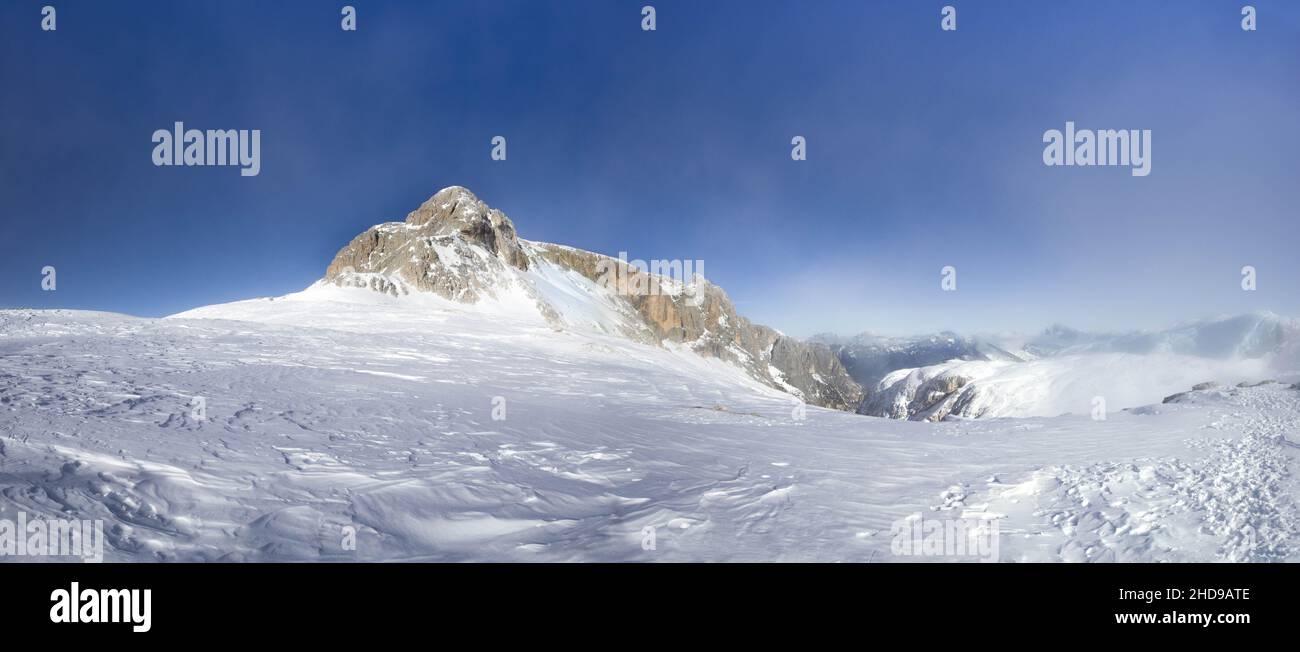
{"x": 455, "y": 211}
{"x": 457, "y": 248}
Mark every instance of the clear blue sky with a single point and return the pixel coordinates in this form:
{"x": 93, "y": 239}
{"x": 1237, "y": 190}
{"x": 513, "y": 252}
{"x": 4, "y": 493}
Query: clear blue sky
{"x": 924, "y": 149}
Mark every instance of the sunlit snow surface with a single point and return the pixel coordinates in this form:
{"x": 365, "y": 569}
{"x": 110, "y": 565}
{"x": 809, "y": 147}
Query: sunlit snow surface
{"x": 341, "y": 408}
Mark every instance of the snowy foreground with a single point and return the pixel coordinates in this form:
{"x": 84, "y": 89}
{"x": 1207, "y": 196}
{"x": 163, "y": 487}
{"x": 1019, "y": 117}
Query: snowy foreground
{"x": 340, "y": 410}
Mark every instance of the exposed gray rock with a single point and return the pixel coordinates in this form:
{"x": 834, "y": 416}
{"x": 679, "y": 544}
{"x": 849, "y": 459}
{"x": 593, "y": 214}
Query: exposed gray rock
{"x": 453, "y": 245}
{"x": 456, "y": 211}
{"x": 706, "y": 320}
{"x": 1208, "y": 385}
{"x": 814, "y": 369}
{"x": 1261, "y": 383}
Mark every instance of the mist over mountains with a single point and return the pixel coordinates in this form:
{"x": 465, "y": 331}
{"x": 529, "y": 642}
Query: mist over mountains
{"x": 1060, "y": 369}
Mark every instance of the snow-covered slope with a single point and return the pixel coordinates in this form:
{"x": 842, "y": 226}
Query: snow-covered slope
{"x": 457, "y": 248}
{"x": 317, "y": 423}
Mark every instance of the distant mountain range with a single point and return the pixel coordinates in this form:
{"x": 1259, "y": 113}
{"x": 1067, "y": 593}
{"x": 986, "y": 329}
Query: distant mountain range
{"x": 934, "y": 377}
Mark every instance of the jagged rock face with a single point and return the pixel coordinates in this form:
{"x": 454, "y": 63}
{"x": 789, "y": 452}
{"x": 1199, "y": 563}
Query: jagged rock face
{"x": 921, "y": 395}
{"x": 804, "y": 364}
{"x": 453, "y": 245}
{"x": 456, "y": 211}
{"x": 703, "y": 317}
{"x": 459, "y": 248}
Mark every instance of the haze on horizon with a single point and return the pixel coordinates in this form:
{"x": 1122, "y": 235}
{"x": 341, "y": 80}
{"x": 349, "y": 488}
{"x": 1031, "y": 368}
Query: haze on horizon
{"x": 924, "y": 151}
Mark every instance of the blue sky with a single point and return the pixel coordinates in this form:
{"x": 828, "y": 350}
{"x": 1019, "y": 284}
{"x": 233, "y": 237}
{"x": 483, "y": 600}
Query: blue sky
{"x": 924, "y": 150}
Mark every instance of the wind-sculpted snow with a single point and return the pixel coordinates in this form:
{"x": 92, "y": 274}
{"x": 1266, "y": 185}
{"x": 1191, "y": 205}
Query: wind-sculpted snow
{"x": 343, "y": 410}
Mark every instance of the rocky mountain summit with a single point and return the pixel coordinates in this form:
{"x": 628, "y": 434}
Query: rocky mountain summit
{"x": 452, "y": 245}
{"x": 459, "y": 248}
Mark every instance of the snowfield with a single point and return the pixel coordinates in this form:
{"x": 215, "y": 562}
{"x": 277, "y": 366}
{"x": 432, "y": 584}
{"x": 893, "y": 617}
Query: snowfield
{"x": 342, "y": 410}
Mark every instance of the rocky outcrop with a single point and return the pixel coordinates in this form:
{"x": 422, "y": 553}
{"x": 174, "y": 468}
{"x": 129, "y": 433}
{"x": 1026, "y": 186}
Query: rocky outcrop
{"x": 814, "y": 367}
{"x": 925, "y": 394}
{"x": 1198, "y": 387}
{"x": 452, "y": 245}
{"x": 1212, "y": 385}
{"x": 459, "y": 248}
{"x": 1260, "y": 383}
{"x": 869, "y": 359}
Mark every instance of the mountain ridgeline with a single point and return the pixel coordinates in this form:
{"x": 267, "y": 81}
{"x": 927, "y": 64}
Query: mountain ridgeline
{"x": 459, "y": 248}
{"x": 1061, "y": 369}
